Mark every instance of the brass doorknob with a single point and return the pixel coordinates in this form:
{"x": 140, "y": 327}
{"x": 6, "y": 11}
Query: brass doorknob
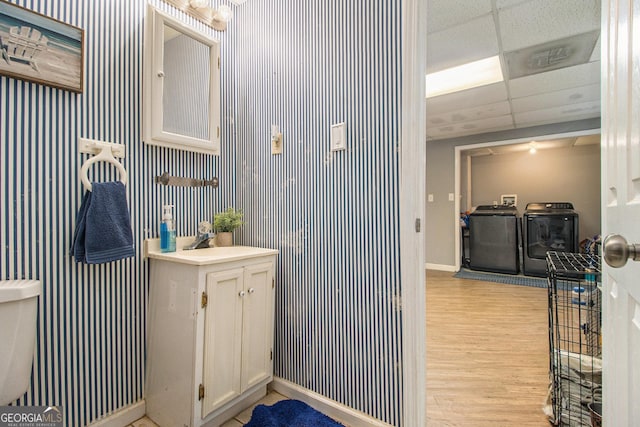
{"x": 617, "y": 251}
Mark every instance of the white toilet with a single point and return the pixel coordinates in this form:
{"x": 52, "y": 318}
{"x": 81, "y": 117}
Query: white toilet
{"x": 18, "y": 314}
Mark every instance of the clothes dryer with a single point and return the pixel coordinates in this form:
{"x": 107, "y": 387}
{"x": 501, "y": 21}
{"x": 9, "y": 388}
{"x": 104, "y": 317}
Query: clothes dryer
{"x": 547, "y": 226}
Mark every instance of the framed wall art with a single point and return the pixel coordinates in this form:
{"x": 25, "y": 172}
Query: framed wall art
{"x": 40, "y": 49}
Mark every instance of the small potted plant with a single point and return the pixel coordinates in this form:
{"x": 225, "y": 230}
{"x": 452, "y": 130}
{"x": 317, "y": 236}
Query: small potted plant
{"x": 224, "y": 223}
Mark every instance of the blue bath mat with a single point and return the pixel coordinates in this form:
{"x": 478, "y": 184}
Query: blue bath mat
{"x": 289, "y": 413}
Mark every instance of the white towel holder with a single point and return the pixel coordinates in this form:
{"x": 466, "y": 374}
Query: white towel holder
{"x": 105, "y": 152}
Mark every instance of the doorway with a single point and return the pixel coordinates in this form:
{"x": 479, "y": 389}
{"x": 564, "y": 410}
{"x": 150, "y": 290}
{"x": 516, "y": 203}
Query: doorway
{"x": 548, "y": 175}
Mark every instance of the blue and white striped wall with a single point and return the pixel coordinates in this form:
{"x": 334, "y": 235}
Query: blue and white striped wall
{"x": 90, "y": 352}
{"x": 304, "y": 65}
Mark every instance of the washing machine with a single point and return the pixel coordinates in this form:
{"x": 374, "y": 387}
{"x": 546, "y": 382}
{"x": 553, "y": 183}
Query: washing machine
{"x": 493, "y": 239}
{"x": 547, "y": 226}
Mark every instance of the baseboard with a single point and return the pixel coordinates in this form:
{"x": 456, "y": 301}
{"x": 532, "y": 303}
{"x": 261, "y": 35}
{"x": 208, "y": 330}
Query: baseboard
{"x": 331, "y": 408}
{"x": 440, "y": 267}
{"x": 122, "y": 417}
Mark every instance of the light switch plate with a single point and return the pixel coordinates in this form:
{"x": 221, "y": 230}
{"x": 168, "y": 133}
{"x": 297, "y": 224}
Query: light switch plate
{"x": 276, "y": 140}
{"x": 338, "y": 137}
{"x": 451, "y": 198}
{"x": 276, "y": 144}
{"x": 430, "y": 198}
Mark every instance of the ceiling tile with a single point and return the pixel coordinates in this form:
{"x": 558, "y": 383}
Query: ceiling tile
{"x": 470, "y": 98}
{"x": 469, "y": 128}
{"x": 502, "y": 4}
{"x": 442, "y": 14}
{"x": 539, "y": 21}
{"x": 555, "y": 99}
{"x": 464, "y": 43}
{"x": 564, "y": 113}
{"x": 564, "y": 78}
{"x": 588, "y": 140}
{"x": 525, "y": 146}
{"x": 469, "y": 114}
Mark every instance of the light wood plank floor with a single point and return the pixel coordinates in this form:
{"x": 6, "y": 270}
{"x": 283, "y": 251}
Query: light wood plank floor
{"x": 487, "y": 353}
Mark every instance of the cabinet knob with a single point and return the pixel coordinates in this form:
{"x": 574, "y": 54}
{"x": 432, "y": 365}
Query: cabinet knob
{"x": 251, "y": 290}
{"x": 241, "y": 293}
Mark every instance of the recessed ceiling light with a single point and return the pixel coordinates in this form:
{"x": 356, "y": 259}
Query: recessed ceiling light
{"x": 465, "y": 76}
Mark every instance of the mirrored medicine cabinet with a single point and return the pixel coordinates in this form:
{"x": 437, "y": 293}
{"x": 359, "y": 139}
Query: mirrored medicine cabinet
{"x": 181, "y": 86}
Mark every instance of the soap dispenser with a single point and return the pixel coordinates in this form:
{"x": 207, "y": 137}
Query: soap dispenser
{"x": 167, "y": 230}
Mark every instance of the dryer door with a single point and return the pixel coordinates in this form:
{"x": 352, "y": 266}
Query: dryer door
{"x": 550, "y": 233}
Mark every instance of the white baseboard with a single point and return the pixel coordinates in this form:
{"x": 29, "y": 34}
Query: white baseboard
{"x": 331, "y": 408}
{"x": 122, "y": 417}
{"x": 440, "y": 267}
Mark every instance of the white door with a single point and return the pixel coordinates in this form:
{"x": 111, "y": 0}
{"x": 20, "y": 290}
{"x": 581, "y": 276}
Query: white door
{"x": 621, "y": 209}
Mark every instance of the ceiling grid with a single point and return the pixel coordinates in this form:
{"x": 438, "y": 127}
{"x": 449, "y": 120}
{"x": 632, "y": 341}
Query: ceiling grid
{"x": 544, "y": 38}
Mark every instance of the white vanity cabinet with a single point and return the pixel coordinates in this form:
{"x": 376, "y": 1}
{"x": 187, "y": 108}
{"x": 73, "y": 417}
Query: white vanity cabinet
{"x": 210, "y": 333}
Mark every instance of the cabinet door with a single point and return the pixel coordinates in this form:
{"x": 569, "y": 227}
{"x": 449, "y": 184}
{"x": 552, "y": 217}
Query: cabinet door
{"x": 223, "y": 339}
{"x": 257, "y": 326}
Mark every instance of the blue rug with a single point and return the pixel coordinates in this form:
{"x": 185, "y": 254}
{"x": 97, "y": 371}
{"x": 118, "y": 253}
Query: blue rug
{"x": 510, "y": 279}
{"x": 289, "y": 413}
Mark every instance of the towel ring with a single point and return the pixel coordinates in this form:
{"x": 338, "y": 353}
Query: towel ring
{"x": 105, "y": 155}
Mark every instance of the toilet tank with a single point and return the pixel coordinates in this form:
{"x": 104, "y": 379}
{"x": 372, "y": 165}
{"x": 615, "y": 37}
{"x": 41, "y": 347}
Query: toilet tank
{"x": 18, "y": 315}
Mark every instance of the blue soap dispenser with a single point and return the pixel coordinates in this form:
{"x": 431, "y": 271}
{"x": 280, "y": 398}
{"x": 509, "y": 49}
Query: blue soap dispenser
{"x": 167, "y": 230}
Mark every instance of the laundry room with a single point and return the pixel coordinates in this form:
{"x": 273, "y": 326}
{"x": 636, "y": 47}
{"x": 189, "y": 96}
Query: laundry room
{"x": 552, "y": 188}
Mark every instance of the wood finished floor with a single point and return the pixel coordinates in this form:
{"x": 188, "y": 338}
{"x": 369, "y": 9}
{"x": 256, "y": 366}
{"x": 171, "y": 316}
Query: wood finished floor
{"x": 487, "y": 353}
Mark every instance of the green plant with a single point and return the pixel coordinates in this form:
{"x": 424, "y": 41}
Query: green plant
{"x": 228, "y": 220}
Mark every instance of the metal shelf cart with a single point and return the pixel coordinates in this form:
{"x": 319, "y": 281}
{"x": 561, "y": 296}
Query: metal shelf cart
{"x": 575, "y": 339}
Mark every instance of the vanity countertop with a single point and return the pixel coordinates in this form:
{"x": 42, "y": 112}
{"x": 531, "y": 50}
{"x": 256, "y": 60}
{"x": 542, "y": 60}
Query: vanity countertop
{"x": 206, "y": 256}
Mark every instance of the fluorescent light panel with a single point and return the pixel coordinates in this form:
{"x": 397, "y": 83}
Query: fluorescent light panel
{"x": 465, "y": 76}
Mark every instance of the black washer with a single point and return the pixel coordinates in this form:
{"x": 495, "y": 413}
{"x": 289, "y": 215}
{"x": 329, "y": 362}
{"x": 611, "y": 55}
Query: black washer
{"x": 493, "y": 239}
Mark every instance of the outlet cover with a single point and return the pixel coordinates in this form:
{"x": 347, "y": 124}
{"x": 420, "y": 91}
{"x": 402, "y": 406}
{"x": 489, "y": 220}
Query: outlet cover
{"x": 338, "y": 137}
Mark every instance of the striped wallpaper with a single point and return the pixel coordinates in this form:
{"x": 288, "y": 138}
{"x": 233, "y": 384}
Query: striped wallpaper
{"x": 333, "y": 215}
{"x": 91, "y": 332}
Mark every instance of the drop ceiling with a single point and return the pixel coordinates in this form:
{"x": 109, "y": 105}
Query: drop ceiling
{"x": 539, "y": 145}
{"x": 550, "y": 56}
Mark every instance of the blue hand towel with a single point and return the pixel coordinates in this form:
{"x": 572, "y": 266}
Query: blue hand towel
{"x": 103, "y": 228}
